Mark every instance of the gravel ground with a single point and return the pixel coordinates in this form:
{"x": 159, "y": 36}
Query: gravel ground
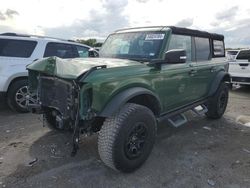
{"x": 201, "y": 153}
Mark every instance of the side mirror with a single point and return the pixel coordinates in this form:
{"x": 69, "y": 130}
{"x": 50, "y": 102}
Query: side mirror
{"x": 175, "y": 56}
{"x": 93, "y": 53}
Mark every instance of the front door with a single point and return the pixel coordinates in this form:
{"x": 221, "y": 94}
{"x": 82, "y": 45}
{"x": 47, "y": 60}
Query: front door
{"x": 176, "y": 88}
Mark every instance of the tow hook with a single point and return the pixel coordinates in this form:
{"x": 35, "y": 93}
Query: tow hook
{"x": 59, "y": 122}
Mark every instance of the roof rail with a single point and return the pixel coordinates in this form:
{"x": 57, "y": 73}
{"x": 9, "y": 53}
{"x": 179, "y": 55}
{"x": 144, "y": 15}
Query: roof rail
{"x": 14, "y": 35}
{"x": 38, "y": 36}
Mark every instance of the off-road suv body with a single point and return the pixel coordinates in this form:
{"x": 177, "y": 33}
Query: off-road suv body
{"x": 143, "y": 75}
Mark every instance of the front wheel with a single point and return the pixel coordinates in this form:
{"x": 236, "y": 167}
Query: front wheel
{"x": 127, "y": 138}
{"x": 217, "y": 104}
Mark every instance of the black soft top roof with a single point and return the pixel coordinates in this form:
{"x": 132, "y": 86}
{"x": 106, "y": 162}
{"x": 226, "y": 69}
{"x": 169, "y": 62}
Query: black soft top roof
{"x": 185, "y": 31}
{"x": 176, "y": 30}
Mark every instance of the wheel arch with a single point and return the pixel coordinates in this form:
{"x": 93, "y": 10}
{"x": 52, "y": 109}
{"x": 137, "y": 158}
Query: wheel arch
{"x": 137, "y": 95}
{"x": 16, "y": 79}
{"x": 220, "y": 77}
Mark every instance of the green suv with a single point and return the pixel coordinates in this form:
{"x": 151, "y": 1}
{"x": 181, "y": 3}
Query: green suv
{"x": 143, "y": 76}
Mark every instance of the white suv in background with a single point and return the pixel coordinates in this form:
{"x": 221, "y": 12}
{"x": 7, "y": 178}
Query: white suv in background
{"x": 17, "y": 51}
{"x": 239, "y": 66}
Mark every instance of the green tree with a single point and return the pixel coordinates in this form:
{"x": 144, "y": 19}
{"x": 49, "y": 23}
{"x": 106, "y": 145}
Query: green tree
{"x": 90, "y": 42}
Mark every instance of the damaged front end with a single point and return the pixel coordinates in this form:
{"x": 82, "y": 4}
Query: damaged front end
{"x": 64, "y": 102}
{"x": 56, "y": 98}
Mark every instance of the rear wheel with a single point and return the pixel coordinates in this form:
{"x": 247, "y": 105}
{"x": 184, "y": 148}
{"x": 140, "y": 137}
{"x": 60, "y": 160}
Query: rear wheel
{"x": 17, "y": 94}
{"x": 217, "y": 104}
{"x": 127, "y": 138}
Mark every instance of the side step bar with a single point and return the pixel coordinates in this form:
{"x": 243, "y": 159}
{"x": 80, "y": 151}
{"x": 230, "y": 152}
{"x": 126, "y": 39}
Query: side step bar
{"x": 200, "y": 110}
{"x": 179, "y": 119}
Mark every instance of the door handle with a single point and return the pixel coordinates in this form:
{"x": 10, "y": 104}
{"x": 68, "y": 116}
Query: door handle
{"x": 213, "y": 69}
{"x": 192, "y": 72}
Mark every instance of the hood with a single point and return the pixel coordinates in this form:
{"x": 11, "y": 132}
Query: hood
{"x": 72, "y": 68}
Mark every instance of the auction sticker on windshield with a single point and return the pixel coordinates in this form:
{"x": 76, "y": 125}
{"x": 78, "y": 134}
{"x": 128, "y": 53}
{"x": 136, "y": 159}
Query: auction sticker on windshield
{"x": 155, "y": 36}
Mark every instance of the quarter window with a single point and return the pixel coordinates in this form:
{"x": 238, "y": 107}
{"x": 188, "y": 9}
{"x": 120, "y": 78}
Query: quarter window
{"x": 181, "y": 42}
{"x": 202, "y": 49}
{"x": 219, "y": 49}
{"x": 82, "y": 51}
{"x": 16, "y": 48}
{"x": 61, "y": 50}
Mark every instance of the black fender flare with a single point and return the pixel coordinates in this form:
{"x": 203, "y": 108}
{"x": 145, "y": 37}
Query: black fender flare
{"x": 220, "y": 77}
{"x": 123, "y": 97}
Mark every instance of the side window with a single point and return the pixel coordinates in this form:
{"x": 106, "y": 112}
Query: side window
{"x": 181, "y": 42}
{"x": 218, "y": 48}
{"x": 82, "y": 51}
{"x": 202, "y": 49}
{"x": 17, "y": 48}
{"x": 60, "y": 50}
{"x": 244, "y": 54}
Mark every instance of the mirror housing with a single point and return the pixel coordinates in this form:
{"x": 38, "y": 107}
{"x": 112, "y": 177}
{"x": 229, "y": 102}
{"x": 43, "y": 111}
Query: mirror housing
{"x": 175, "y": 56}
{"x": 93, "y": 53}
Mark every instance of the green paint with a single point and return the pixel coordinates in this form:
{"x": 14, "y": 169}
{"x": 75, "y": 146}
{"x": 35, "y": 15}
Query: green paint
{"x": 172, "y": 83}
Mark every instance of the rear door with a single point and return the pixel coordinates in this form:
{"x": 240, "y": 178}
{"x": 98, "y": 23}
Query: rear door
{"x": 206, "y": 69}
{"x": 15, "y": 54}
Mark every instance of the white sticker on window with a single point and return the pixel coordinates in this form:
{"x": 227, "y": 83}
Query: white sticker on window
{"x": 155, "y": 36}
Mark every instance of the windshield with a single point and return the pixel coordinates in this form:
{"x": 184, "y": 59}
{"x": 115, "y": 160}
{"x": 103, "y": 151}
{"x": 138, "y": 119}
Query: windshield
{"x": 232, "y": 54}
{"x": 141, "y": 46}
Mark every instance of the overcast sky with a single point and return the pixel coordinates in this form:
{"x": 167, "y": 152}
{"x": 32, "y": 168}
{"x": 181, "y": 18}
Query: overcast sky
{"x": 73, "y": 19}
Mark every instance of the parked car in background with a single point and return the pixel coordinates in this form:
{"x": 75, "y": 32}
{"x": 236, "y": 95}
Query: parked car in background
{"x": 18, "y": 50}
{"x": 239, "y": 66}
{"x": 231, "y": 54}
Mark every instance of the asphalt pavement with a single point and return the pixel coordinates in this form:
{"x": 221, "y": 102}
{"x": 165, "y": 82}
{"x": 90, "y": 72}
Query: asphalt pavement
{"x": 201, "y": 153}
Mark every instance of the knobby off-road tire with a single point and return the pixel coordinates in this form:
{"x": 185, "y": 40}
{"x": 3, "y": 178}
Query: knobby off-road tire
{"x": 127, "y": 138}
{"x": 217, "y": 104}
